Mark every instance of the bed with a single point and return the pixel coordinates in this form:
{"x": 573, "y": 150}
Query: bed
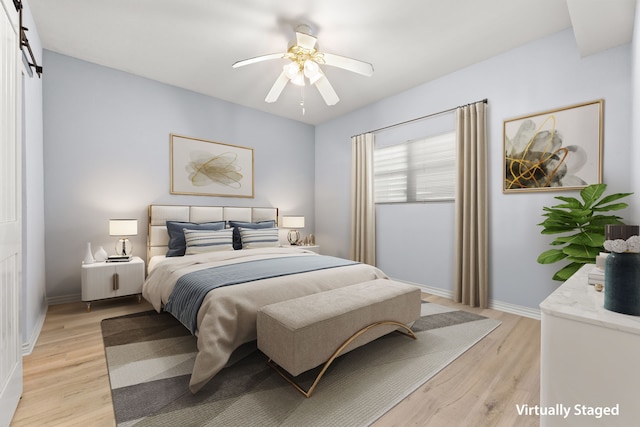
{"x": 226, "y": 317}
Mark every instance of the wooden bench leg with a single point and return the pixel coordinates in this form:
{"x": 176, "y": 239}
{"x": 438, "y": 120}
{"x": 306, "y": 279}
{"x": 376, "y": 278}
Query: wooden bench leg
{"x": 307, "y": 393}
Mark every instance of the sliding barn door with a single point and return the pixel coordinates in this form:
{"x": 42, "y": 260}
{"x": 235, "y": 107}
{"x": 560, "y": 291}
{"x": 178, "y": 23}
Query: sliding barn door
{"x": 10, "y": 213}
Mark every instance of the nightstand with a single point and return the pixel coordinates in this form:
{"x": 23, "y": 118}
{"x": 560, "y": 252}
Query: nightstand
{"x": 314, "y": 248}
{"x": 102, "y": 280}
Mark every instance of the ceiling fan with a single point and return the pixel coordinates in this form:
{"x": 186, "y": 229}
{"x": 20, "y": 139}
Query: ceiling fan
{"x": 305, "y": 60}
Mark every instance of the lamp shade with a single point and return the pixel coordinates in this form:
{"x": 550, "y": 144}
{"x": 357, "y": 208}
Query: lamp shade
{"x": 292, "y": 222}
{"x": 123, "y": 227}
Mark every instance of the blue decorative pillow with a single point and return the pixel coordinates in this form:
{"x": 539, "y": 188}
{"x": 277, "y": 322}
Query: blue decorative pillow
{"x": 259, "y": 238}
{"x": 201, "y": 241}
{"x": 177, "y": 244}
{"x": 237, "y": 240}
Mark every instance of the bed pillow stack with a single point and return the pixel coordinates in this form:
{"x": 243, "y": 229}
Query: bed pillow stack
{"x": 193, "y": 238}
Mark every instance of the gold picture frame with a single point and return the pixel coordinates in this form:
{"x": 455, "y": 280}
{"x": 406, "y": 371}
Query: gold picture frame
{"x": 554, "y": 150}
{"x": 207, "y": 168}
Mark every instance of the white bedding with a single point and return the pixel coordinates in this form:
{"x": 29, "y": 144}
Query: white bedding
{"x": 154, "y": 261}
{"x": 227, "y": 317}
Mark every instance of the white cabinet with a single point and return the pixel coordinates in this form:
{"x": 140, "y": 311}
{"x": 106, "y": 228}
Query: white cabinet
{"x": 103, "y": 280}
{"x": 589, "y": 372}
{"x": 313, "y": 248}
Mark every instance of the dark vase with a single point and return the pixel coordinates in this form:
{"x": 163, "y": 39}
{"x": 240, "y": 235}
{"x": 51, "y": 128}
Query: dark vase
{"x": 622, "y": 283}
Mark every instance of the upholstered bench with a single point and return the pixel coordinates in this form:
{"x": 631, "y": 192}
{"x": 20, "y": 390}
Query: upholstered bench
{"x": 303, "y": 333}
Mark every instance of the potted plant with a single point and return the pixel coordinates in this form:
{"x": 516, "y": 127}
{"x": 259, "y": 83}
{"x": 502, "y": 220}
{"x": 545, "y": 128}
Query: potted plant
{"x": 581, "y": 225}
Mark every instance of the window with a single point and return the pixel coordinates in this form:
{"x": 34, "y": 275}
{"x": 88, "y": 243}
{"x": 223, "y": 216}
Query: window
{"x": 421, "y": 170}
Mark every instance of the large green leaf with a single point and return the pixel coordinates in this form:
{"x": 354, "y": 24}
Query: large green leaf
{"x": 612, "y": 197}
{"x": 582, "y": 261}
{"x": 566, "y": 272}
{"x": 613, "y": 207}
{"x": 555, "y": 222}
{"x": 592, "y": 193}
{"x": 571, "y": 213}
{"x": 571, "y": 203}
{"x": 556, "y": 230}
{"x": 582, "y": 251}
{"x": 600, "y": 221}
{"x": 550, "y": 256}
{"x": 596, "y": 240}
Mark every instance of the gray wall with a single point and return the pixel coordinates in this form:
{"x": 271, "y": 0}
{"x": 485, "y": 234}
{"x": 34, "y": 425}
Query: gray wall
{"x": 542, "y": 75}
{"x": 107, "y": 156}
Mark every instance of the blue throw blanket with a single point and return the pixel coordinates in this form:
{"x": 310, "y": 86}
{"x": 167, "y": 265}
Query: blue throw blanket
{"x": 190, "y": 289}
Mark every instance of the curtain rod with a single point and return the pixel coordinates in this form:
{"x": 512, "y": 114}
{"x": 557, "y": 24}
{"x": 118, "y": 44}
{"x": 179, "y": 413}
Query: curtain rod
{"x": 423, "y": 117}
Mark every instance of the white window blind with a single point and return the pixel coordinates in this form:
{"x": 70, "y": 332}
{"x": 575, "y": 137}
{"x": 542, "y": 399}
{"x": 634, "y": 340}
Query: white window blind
{"x": 420, "y": 170}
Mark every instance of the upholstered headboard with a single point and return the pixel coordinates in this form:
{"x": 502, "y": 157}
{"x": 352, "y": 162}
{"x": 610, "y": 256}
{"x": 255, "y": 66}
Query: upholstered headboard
{"x": 158, "y": 237}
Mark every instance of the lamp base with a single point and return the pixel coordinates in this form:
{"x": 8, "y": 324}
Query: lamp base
{"x": 124, "y": 247}
{"x": 293, "y": 237}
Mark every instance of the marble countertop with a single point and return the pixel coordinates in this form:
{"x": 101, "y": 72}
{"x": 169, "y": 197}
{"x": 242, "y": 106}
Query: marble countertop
{"x": 577, "y": 300}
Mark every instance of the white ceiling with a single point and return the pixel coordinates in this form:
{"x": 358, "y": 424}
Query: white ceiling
{"x": 192, "y": 43}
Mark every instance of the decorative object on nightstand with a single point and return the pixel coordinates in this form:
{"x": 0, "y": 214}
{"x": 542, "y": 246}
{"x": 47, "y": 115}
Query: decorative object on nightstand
{"x": 102, "y": 280}
{"x": 596, "y": 276}
{"x": 100, "y": 255}
{"x": 293, "y": 222}
{"x": 88, "y": 257}
{"x": 123, "y": 228}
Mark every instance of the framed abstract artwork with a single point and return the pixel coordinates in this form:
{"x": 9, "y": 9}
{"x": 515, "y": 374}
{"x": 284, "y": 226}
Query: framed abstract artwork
{"x": 207, "y": 168}
{"x": 554, "y": 150}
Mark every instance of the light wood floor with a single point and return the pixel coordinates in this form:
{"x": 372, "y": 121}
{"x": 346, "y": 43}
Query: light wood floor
{"x": 66, "y": 383}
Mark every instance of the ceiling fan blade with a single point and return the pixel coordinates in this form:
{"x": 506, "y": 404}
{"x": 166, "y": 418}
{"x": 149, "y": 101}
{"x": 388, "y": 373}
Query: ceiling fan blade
{"x": 277, "y": 88}
{"x": 349, "y": 64}
{"x": 258, "y": 59}
{"x": 305, "y": 41}
{"x": 326, "y": 90}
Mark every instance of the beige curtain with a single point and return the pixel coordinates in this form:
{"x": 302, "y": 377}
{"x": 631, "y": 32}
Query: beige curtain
{"x": 471, "y": 243}
{"x": 363, "y": 218}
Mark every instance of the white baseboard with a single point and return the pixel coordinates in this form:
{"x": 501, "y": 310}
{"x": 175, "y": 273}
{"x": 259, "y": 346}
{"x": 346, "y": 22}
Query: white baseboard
{"x": 520, "y": 310}
{"x": 533, "y": 313}
{"x": 27, "y": 347}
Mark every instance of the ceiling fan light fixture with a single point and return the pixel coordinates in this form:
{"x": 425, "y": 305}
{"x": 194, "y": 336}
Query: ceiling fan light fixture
{"x": 291, "y": 70}
{"x": 305, "y": 63}
{"x": 298, "y": 80}
{"x": 311, "y": 70}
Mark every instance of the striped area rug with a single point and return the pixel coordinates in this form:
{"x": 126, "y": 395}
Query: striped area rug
{"x": 150, "y": 356}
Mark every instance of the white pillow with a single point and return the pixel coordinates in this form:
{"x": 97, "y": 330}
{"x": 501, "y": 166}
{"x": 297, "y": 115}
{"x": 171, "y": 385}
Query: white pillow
{"x": 201, "y": 241}
{"x": 259, "y": 237}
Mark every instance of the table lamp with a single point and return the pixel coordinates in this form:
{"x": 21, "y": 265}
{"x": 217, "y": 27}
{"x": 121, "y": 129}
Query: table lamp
{"x": 122, "y": 228}
{"x": 293, "y": 222}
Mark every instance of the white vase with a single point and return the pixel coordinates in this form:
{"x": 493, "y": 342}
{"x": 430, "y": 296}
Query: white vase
{"x": 88, "y": 257}
{"x": 100, "y": 255}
